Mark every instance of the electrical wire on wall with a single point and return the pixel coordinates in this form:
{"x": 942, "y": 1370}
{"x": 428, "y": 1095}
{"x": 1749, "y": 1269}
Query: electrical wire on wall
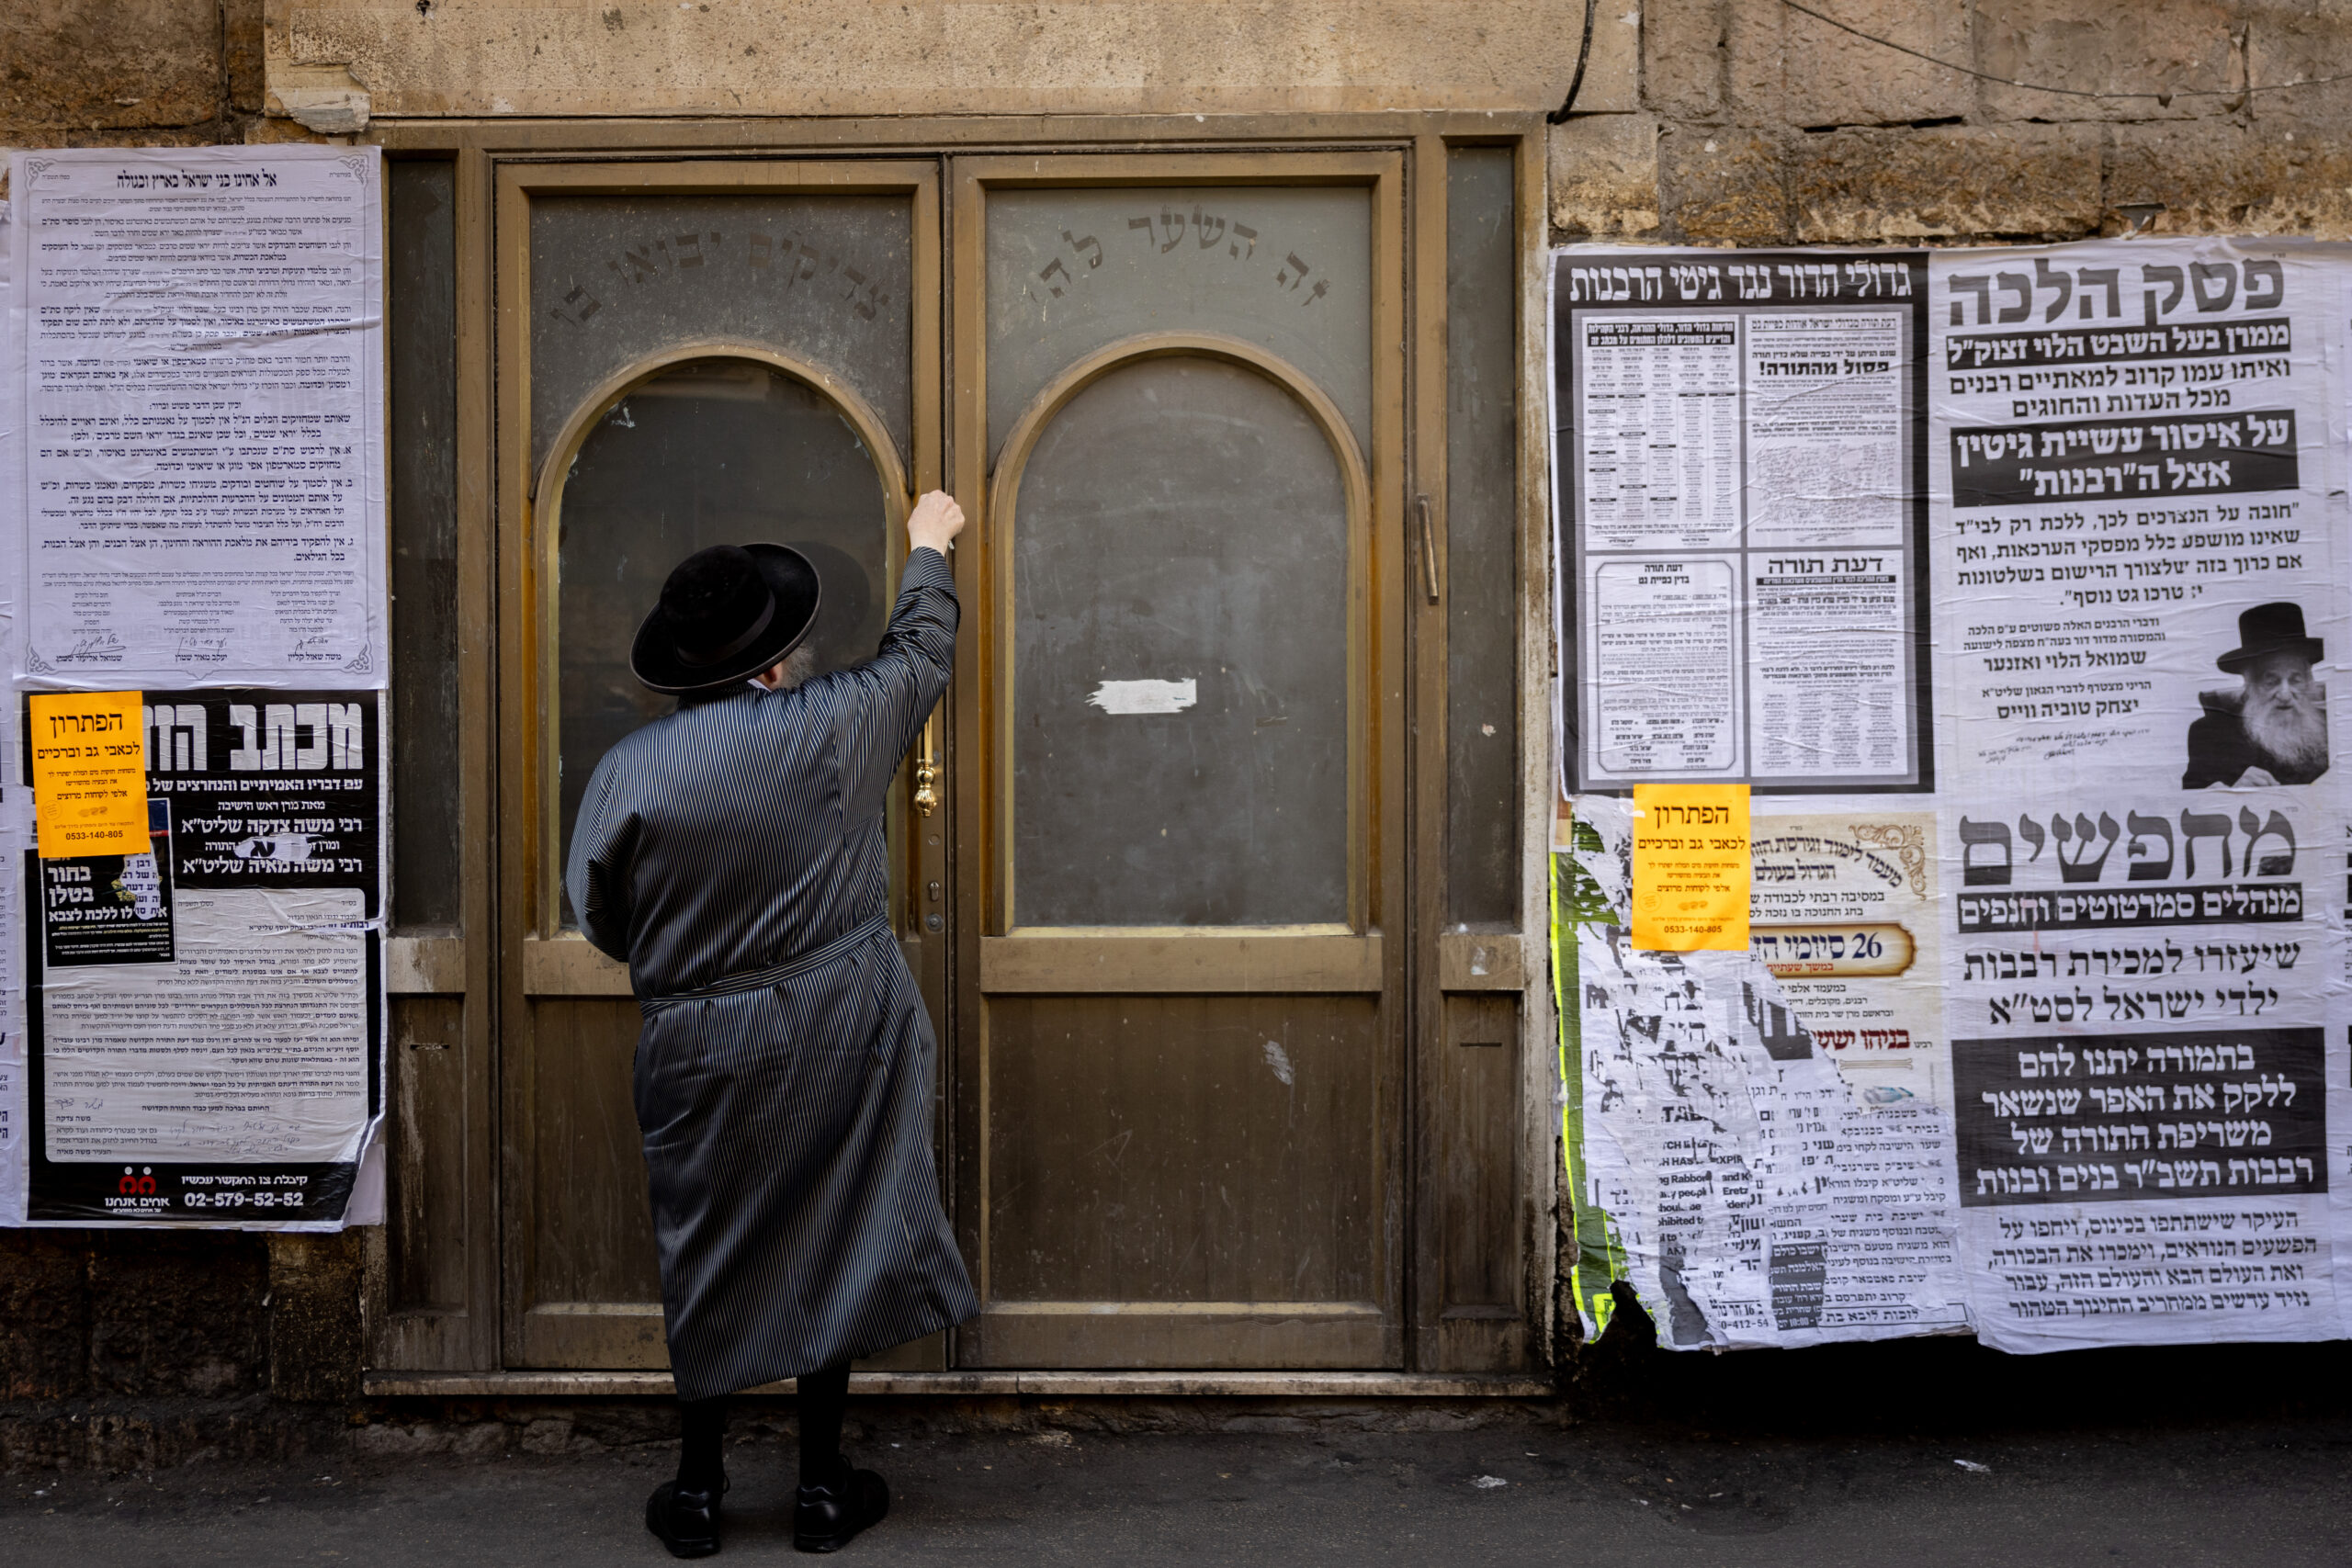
{"x": 2161, "y": 97}
{"x": 1584, "y": 53}
{"x": 1575, "y": 82}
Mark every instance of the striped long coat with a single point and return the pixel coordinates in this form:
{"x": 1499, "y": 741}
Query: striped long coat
{"x": 733, "y": 854}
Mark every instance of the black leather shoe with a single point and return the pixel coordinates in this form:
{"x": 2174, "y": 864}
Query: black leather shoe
{"x": 686, "y": 1522}
{"x": 827, "y": 1516}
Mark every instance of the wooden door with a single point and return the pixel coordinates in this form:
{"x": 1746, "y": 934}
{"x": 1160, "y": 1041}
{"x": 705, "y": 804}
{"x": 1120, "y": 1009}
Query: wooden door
{"x": 1178, "y": 421}
{"x": 689, "y": 354}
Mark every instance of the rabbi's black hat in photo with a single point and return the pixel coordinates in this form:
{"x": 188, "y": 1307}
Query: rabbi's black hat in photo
{"x": 2268, "y": 629}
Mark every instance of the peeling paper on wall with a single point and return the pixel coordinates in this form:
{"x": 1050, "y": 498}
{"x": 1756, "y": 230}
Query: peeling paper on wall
{"x": 1146, "y": 696}
{"x": 1759, "y": 1198}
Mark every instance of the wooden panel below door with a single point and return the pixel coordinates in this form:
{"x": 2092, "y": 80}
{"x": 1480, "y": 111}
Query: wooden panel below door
{"x": 593, "y": 1282}
{"x": 1199, "y": 1336}
{"x": 1474, "y": 1128}
{"x": 1184, "y": 1181}
{"x": 428, "y": 1254}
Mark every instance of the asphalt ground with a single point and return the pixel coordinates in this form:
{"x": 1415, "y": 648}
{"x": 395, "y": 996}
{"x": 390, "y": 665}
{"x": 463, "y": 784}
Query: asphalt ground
{"x": 2249, "y": 1494}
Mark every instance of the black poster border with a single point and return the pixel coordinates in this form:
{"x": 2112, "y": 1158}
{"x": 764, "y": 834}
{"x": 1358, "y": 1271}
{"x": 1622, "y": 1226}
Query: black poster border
{"x": 246, "y": 1196}
{"x": 1568, "y": 552}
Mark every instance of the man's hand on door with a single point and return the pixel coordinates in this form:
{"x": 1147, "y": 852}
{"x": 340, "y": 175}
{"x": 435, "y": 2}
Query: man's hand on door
{"x": 936, "y": 521}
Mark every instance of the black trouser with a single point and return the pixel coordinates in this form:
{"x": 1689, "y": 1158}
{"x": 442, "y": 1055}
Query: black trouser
{"x": 824, "y": 1396}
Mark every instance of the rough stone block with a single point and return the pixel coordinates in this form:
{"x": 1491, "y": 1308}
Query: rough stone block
{"x": 270, "y": 132}
{"x": 2232, "y": 180}
{"x": 1946, "y": 182}
{"x": 1682, "y": 58}
{"x": 241, "y": 41}
{"x": 44, "y": 1315}
{"x": 315, "y": 1341}
{"x": 1612, "y": 78}
{"x": 639, "y": 56}
{"x": 2298, "y": 40}
{"x": 1604, "y": 177}
{"x": 1721, "y": 186}
{"x": 1790, "y": 67}
{"x": 177, "y": 1315}
{"x": 2179, "y": 47}
{"x": 84, "y": 65}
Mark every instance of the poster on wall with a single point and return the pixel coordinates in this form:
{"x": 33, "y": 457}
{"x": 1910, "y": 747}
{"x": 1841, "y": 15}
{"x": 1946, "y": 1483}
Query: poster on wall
{"x": 1764, "y": 1183}
{"x": 13, "y": 800}
{"x": 2137, "y": 479}
{"x": 198, "y": 349}
{"x": 1739, "y": 465}
{"x": 207, "y": 1018}
{"x": 2073, "y": 1024}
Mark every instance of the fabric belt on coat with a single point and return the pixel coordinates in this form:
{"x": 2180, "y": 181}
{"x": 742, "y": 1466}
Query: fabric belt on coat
{"x": 775, "y": 974}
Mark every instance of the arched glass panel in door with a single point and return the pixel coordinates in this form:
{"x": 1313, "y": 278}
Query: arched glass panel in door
{"x": 1180, "y": 724}
{"x": 715, "y": 451}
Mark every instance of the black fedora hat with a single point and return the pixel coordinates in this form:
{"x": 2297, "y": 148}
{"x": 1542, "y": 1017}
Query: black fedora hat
{"x": 726, "y": 613}
{"x": 2270, "y": 628}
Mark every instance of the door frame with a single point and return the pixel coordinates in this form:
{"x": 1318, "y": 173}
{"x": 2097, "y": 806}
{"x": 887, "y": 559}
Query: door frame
{"x": 447, "y": 1119}
{"x": 537, "y": 961}
{"x": 991, "y": 959}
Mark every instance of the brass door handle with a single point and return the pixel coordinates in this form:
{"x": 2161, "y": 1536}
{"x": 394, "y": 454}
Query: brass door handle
{"x": 927, "y": 768}
{"x": 1428, "y": 545}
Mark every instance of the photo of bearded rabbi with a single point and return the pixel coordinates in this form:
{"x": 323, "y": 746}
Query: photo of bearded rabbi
{"x": 2273, "y": 729}
{"x": 733, "y": 854}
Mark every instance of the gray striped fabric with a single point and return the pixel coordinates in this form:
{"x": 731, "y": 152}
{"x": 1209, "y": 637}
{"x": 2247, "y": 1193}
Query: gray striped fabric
{"x": 787, "y": 1126}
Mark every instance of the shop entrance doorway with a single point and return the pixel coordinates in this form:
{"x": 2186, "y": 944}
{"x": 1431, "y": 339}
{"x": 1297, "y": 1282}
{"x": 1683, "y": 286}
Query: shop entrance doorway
{"x": 1149, "y": 859}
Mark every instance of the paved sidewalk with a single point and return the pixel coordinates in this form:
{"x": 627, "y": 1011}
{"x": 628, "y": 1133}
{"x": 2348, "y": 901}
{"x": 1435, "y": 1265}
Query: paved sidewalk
{"x": 2274, "y": 1493}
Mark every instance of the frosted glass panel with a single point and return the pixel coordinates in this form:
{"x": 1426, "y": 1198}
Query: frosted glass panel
{"x": 1288, "y": 268}
{"x": 826, "y": 279}
{"x": 1181, "y": 663}
{"x": 1482, "y": 809}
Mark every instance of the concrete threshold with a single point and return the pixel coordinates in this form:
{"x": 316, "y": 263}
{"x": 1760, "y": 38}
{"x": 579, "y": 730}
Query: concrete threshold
{"x": 1155, "y": 1384}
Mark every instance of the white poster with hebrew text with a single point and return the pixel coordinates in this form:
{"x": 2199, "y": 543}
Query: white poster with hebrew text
{"x": 2138, "y": 503}
{"x": 198, "y": 336}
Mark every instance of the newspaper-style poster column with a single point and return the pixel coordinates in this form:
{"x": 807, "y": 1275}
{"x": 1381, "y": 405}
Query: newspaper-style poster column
{"x": 2139, "y": 500}
{"x": 1754, "y": 1191}
{"x": 208, "y": 1020}
{"x": 1740, "y": 473}
{"x": 12, "y": 797}
{"x": 202, "y": 379}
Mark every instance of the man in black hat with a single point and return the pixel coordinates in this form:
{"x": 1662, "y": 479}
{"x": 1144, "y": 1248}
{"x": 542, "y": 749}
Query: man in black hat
{"x": 2273, "y": 729}
{"x": 733, "y": 853}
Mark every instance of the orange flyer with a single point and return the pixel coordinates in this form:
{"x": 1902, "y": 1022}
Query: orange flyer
{"x": 1691, "y": 872}
{"x": 89, "y": 754}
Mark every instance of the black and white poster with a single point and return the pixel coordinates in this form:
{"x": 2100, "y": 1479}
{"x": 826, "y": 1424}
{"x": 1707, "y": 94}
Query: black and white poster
{"x": 198, "y": 354}
{"x": 2095, "y": 974}
{"x": 214, "y": 1051}
{"x": 1740, "y": 474}
{"x": 2139, "y": 502}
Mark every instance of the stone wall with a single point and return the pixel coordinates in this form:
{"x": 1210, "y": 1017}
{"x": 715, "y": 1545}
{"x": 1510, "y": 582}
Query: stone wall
{"x": 132, "y": 1340}
{"x": 129, "y": 73}
{"x": 130, "y": 1349}
{"x": 1756, "y": 125}
{"x": 1709, "y": 121}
